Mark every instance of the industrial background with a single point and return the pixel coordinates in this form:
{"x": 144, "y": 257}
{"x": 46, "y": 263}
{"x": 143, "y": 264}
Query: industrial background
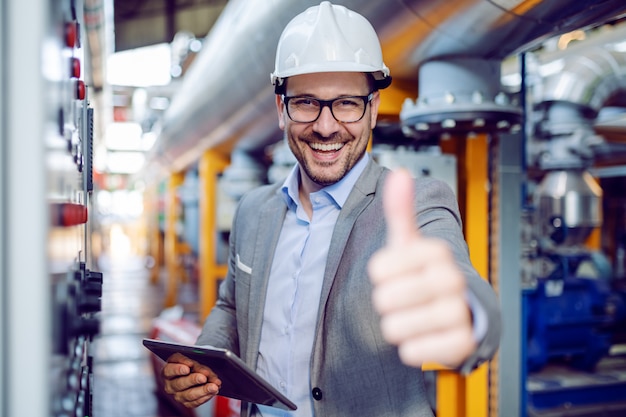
{"x": 116, "y": 196}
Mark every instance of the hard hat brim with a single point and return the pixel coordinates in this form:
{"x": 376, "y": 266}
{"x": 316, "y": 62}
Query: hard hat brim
{"x": 382, "y": 79}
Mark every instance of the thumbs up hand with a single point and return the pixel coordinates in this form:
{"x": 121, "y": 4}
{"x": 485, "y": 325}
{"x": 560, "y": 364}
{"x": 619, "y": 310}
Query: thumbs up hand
{"x": 419, "y": 291}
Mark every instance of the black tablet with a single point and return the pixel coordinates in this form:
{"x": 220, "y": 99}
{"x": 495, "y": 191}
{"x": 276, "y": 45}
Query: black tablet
{"x": 239, "y": 381}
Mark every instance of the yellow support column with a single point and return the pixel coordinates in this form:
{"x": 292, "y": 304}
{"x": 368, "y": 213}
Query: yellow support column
{"x": 172, "y": 210}
{"x": 451, "y": 394}
{"x": 155, "y": 250}
{"x": 476, "y": 224}
{"x": 459, "y": 396}
{"x": 451, "y": 386}
{"x": 211, "y": 165}
{"x": 451, "y": 391}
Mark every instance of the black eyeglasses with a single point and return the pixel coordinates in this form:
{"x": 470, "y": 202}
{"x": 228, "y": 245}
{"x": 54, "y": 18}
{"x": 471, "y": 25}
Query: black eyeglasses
{"x": 346, "y": 109}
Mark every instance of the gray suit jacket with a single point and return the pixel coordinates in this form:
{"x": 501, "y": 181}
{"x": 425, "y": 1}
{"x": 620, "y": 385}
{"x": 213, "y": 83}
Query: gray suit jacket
{"x": 354, "y": 370}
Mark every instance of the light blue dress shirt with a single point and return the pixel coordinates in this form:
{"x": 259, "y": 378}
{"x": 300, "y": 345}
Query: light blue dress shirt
{"x": 294, "y": 288}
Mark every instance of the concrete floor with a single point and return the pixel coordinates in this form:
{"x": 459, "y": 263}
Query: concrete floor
{"x": 123, "y": 383}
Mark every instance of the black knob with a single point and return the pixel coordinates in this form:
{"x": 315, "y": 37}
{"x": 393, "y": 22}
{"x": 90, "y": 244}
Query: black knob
{"x": 317, "y": 393}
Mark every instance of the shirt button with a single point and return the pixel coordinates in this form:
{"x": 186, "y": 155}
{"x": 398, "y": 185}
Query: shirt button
{"x": 317, "y": 393}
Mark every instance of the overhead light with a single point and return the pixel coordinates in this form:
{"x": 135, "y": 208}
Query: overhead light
{"x": 124, "y": 136}
{"x": 124, "y": 162}
{"x": 141, "y": 67}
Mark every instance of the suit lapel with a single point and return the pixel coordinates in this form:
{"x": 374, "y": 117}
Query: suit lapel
{"x": 360, "y": 197}
{"x": 270, "y": 225}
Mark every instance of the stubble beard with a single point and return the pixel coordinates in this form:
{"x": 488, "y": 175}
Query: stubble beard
{"x": 318, "y": 174}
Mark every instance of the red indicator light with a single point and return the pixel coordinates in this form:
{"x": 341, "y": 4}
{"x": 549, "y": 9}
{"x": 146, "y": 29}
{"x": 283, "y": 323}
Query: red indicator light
{"x": 71, "y": 34}
{"x": 80, "y": 90}
{"x": 68, "y": 214}
{"x": 75, "y": 67}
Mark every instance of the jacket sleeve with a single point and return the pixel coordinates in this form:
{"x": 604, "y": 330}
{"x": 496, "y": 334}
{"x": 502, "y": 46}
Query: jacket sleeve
{"x": 438, "y": 216}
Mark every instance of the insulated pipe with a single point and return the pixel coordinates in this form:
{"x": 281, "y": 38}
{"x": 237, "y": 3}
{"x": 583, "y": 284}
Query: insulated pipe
{"x": 568, "y": 102}
{"x": 226, "y": 100}
{"x": 587, "y": 79}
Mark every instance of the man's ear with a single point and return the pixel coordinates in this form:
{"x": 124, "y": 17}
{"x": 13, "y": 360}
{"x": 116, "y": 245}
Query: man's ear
{"x": 280, "y": 108}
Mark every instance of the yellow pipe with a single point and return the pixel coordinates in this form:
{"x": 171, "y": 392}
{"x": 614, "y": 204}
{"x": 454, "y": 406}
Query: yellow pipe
{"x": 450, "y": 385}
{"x": 211, "y": 165}
{"x": 155, "y": 249}
{"x": 594, "y": 240}
{"x": 451, "y": 394}
{"x": 459, "y": 396}
{"x": 477, "y": 235}
{"x": 171, "y": 255}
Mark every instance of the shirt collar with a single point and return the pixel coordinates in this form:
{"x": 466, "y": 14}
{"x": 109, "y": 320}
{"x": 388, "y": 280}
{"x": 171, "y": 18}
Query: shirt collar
{"x": 338, "y": 192}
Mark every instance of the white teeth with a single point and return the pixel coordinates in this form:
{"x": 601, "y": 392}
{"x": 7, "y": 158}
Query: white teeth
{"x": 326, "y": 146}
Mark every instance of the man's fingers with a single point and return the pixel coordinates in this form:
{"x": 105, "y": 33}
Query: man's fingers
{"x": 196, "y": 396}
{"x": 177, "y": 365}
{"x": 448, "y": 348}
{"x": 398, "y": 204}
{"x": 174, "y": 370}
{"x": 422, "y": 321}
{"x": 407, "y": 290}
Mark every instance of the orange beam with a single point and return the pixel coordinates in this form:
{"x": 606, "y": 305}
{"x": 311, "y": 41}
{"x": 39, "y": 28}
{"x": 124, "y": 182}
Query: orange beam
{"x": 211, "y": 165}
{"x": 155, "y": 242}
{"x": 473, "y": 196}
{"x": 172, "y": 209}
{"x": 476, "y": 224}
{"x": 451, "y": 394}
{"x": 594, "y": 240}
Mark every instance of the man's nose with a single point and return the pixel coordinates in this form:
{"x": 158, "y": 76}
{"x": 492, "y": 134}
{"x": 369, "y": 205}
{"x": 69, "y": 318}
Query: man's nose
{"x": 326, "y": 124}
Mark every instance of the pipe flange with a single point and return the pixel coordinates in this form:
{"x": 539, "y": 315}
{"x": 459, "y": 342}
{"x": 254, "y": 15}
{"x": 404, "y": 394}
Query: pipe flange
{"x": 460, "y": 118}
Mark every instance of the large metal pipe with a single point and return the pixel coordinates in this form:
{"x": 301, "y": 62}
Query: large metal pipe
{"x": 225, "y": 100}
{"x": 587, "y": 79}
{"x": 576, "y": 85}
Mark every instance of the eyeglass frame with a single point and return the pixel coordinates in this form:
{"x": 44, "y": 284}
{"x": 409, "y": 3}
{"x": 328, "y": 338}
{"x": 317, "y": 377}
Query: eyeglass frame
{"x": 328, "y": 103}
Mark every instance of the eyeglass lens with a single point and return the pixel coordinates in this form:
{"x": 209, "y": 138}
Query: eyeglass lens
{"x": 344, "y": 109}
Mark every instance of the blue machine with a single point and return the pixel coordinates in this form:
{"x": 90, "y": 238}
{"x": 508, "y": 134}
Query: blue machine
{"x": 571, "y": 324}
{"x": 571, "y": 319}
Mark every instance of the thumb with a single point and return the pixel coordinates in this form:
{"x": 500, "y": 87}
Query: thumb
{"x": 398, "y": 205}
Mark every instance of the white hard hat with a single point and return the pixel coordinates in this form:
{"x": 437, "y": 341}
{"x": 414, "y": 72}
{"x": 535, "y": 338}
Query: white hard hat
{"x": 329, "y": 38}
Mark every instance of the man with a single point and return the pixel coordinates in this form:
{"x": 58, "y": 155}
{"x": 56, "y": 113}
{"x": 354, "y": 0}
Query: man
{"x": 297, "y": 304}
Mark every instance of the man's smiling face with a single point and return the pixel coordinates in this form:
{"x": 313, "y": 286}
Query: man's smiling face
{"x": 327, "y": 149}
